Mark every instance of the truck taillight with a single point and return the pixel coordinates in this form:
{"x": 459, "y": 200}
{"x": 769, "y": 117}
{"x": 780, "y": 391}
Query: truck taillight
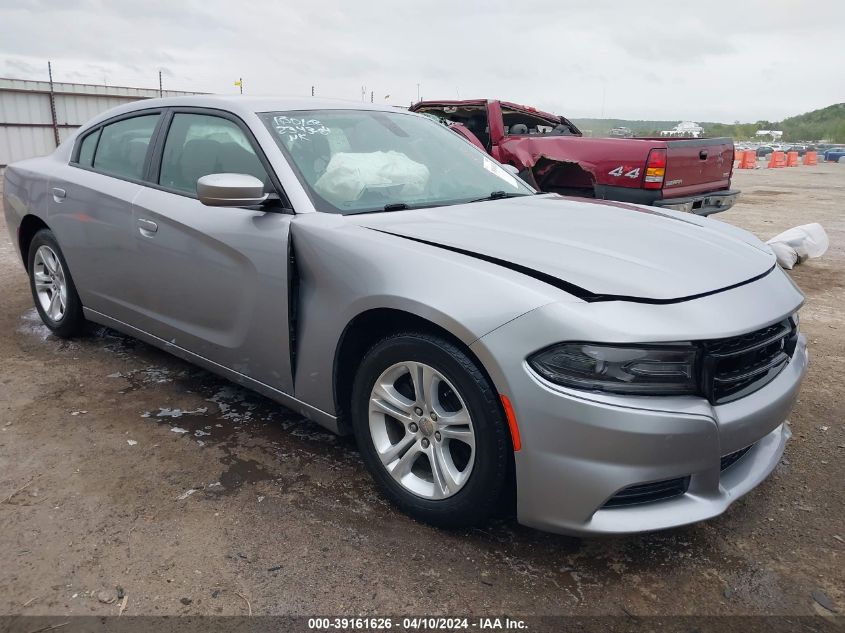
{"x": 655, "y": 169}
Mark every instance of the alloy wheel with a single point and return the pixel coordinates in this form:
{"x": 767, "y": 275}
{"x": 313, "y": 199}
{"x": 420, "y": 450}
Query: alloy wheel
{"x": 422, "y": 430}
{"x": 50, "y": 283}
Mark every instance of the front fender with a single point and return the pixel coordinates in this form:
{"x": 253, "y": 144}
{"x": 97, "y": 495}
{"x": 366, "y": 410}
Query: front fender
{"x": 345, "y": 270}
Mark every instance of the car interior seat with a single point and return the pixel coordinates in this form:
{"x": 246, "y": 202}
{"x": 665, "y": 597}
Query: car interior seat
{"x": 477, "y": 124}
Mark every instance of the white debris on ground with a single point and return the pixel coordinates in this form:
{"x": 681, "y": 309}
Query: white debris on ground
{"x": 157, "y": 375}
{"x": 148, "y": 375}
{"x": 233, "y": 404}
{"x": 131, "y": 442}
{"x": 186, "y": 494}
{"x": 178, "y": 429}
{"x": 166, "y": 412}
{"x": 798, "y": 244}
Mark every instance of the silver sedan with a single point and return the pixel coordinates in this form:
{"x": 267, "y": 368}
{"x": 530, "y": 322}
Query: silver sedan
{"x": 622, "y": 368}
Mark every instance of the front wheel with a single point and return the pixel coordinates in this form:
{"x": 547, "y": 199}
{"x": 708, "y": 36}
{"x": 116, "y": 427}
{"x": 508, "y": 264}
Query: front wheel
{"x": 430, "y": 429}
{"x": 52, "y": 287}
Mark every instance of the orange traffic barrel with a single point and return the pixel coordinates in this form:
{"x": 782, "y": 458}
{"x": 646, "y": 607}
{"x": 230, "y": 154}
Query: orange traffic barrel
{"x": 749, "y": 159}
{"x": 811, "y": 158}
{"x": 777, "y": 160}
{"x": 792, "y": 159}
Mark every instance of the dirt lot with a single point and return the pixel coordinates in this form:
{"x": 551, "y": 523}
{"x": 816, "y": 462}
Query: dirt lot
{"x": 140, "y": 471}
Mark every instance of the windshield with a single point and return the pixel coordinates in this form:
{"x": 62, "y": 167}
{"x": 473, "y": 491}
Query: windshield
{"x": 358, "y": 161}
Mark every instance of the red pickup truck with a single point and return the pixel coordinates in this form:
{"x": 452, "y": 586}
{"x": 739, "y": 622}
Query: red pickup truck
{"x": 688, "y": 174}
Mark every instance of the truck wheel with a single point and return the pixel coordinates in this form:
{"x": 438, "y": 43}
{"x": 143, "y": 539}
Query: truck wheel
{"x": 431, "y": 430}
{"x": 52, "y": 286}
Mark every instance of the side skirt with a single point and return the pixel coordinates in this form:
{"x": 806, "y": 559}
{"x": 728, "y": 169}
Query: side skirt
{"x": 319, "y": 416}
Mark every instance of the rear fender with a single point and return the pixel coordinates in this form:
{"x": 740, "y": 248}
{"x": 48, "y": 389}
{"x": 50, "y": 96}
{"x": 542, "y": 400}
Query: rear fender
{"x": 563, "y": 176}
{"x": 552, "y": 172}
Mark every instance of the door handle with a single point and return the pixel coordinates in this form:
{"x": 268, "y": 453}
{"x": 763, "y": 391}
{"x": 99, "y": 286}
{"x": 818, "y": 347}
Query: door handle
{"x": 59, "y": 194}
{"x": 703, "y": 154}
{"x": 147, "y": 227}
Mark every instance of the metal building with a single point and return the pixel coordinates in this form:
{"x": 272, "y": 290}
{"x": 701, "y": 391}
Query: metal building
{"x": 35, "y": 116}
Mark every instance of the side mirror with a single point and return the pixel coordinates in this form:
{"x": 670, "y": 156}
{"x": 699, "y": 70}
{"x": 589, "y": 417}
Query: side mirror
{"x": 230, "y": 190}
{"x": 513, "y": 171}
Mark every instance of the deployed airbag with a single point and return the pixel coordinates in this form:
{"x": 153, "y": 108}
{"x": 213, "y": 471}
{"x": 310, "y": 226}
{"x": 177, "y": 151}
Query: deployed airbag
{"x": 393, "y": 175}
{"x": 794, "y": 245}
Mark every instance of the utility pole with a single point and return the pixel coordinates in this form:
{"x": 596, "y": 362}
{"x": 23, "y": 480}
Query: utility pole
{"x": 371, "y": 95}
{"x": 53, "y": 105}
{"x": 363, "y": 93}
{"x": 160, "y": 91}
{"x": 241, "y": 84}
{"x": 312, "y": 91}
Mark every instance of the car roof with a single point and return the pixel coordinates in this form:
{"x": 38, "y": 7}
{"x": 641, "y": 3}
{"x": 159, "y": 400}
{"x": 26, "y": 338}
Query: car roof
{"x": 244, "y": 105}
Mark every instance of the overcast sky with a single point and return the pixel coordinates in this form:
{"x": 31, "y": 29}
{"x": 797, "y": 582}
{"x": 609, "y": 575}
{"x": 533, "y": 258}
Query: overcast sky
{"x": 704, "y": 61}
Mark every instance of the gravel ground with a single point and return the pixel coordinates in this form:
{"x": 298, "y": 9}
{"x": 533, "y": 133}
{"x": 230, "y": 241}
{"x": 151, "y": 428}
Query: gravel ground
{"x": 137, "y": 470}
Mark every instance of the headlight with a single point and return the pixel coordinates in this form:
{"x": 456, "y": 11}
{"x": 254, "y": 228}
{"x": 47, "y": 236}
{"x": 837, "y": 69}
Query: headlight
{"x": 645, "y": 370}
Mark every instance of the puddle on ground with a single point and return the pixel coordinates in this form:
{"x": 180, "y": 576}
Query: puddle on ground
{"x": 766, "y": 192}
{"x": 32, "y": 325}
{"x": 242, "y": 471}
{"x": 230, "y": 408}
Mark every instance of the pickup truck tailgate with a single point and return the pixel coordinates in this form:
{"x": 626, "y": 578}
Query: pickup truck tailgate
{"x": 697, "y": 166}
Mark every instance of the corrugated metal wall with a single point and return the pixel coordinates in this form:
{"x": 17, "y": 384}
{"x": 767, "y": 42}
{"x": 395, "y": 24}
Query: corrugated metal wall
{"x": 27, "y": 127}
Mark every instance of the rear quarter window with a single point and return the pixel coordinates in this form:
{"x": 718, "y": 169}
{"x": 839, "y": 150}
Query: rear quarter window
{"x": 86, "y": 149}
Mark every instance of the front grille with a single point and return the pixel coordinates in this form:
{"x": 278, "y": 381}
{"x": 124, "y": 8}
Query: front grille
{"x": 732, "y": 458}
{"x": 646, "y": 493}
{"x": 734, "y": 367}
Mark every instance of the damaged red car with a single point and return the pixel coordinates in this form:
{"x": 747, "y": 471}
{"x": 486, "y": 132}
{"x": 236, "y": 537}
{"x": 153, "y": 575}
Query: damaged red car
{"x": 551, "y": 154}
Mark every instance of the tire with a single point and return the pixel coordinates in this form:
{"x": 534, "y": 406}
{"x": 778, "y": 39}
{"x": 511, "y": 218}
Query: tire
{"x": 474, "y": 468}
{"x": 53, "y": 290}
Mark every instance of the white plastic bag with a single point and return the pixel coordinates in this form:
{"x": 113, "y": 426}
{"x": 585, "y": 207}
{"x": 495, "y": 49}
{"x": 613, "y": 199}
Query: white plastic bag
{"x": 349, "y": 175}
{"x": 794, "y": 245}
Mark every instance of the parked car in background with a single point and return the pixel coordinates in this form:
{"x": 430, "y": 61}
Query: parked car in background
{"x": 350, "y": 262}
{"x": 549, "y": 153}
{"x": 833, "y": 154}
{"x": 800, "y": 149}
{"x": 764, "y": 150}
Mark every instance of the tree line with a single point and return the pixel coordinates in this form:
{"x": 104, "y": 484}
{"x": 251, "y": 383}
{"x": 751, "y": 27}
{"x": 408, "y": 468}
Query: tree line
{"x": 826, "y": 124}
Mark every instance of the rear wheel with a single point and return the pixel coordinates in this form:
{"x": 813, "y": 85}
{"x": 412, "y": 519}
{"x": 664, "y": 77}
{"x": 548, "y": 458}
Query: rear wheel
{"x": 430, "y": 429}
{"x": 52, "y": 286}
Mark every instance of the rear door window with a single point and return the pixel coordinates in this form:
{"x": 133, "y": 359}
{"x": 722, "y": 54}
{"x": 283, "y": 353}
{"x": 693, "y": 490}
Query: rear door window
{"x": 198, "y": 145}
{"x": 122, "y": 150}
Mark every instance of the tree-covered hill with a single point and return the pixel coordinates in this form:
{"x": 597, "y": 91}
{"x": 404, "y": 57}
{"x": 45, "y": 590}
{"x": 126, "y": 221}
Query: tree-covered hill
{"x": 824, "y": 124}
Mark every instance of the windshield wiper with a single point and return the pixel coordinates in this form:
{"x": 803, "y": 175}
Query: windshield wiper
{"x": 499, "y": 195}
{"x": 393, "y": 206}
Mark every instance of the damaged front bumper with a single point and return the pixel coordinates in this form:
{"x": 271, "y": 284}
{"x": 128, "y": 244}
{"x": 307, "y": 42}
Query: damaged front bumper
{"x": 603, "y": 463}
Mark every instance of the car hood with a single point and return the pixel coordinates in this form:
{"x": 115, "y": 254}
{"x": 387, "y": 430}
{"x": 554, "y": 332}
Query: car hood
{"x": 598, "y": 250}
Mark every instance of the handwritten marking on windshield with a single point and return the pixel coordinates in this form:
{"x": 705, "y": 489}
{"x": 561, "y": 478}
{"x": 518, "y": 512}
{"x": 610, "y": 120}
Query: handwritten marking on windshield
{"x": 298, "y": 129}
